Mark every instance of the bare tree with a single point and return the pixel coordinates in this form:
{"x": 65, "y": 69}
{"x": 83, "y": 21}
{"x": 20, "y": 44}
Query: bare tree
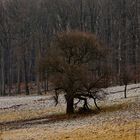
{"x": 127, "y": 76}
{"x": 28, "y": 26}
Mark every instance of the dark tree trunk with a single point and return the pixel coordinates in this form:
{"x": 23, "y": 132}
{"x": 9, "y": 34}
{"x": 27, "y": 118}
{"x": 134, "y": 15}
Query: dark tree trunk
{"x": 38, "y": 85}
{"x": 96, "y": 103}
{"x": 26, "y": 78}
{"x": 81, "y": 15}
{"x": 125, "y": 88}
{"x": 18, "y": 78}
{"x": 2, "y": 72}
{"x": 47, "y": 82}
{"x": 70, "y": 103}
{"x": 46, "y": 85}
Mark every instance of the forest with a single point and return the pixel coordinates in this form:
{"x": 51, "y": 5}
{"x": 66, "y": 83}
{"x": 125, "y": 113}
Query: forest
{"x": 69, "y": 69}
{"x": 27, "y": 28}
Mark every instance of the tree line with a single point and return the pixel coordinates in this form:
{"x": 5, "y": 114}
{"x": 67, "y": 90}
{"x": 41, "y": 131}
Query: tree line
{"x": 27, "y": 28}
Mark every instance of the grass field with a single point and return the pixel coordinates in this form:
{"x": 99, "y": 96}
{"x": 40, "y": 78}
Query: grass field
{"x": 119, "y": 119}
{"x": 111, "y": 131}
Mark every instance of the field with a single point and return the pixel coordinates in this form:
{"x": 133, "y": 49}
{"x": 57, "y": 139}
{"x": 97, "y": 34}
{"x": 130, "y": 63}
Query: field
{"x": 36, "y": 118}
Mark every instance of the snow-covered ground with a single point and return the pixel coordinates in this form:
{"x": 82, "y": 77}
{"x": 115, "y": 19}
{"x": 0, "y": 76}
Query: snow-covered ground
{"x": 46, "y": 101}
{"x": 115, "y": 117}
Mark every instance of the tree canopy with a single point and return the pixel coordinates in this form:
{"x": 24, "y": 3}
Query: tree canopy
{"x": 73, "y": 62}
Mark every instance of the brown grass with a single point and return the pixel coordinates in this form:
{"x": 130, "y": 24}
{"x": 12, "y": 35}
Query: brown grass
{"x": 114, "y": 130}
{"x": 28, "y": 114}
{"x": 56, "y": 113}
{"x": 115, "y": 107}
{"x": 108, "y": 131}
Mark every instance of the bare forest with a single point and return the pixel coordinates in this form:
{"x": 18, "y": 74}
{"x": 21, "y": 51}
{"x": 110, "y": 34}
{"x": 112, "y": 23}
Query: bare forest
{"x": 27, "y": 28}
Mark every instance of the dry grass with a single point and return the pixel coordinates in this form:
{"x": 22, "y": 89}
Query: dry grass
{"x": 58, "y": 113}
{"x": 117, "y": 129}
{"x": 108, "y": 131}
{"x": 21, "y": 115}
{"x": 34, "y": 114}
{"x": 116, "y": 107}
{"x": 0, "y": 135}
{"x": 28, "y": 114}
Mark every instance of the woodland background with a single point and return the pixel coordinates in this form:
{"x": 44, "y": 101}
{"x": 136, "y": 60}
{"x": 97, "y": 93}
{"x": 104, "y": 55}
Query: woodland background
{"x": 27, "y": 28}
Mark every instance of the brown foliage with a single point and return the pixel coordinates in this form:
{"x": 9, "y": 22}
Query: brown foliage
{"x": 73, "y": 62}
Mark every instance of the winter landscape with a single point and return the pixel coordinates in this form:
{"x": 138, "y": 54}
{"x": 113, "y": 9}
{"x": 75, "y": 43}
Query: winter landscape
{"x": 36, "y": 117}
{"x": 69, "y": 69}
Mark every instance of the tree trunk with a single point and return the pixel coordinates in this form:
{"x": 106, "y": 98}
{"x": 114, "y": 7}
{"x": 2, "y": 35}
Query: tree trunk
{"x": 81, "y": 15}
{"x": 2, "y": 73}
{"x": 96, "y": 103}
{"x": 47, "y": 82}
{"x": 26, "y": 77}
{"x": 18, "y": 79}
{"x": 125, "y": 88}
{"x": 38, "y": 85}
{"x": 70, "y": 103}
{"x": 46, "y": 85}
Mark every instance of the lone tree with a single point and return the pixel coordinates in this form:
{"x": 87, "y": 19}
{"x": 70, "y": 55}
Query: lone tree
{"x": 75, "y": 67}
{"x": 127, "y": 76}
